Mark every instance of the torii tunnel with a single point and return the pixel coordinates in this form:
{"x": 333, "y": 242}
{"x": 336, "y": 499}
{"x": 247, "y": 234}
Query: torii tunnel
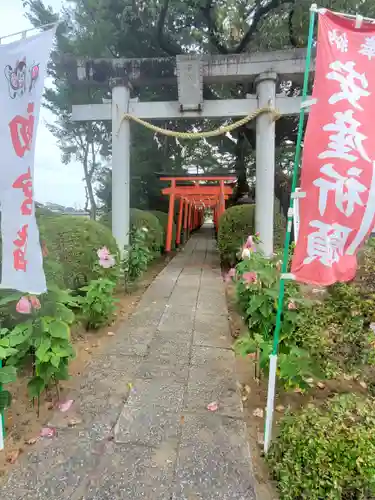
{"x": 194, "y": 198}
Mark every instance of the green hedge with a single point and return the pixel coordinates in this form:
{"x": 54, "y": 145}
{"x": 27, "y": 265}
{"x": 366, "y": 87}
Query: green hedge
{"x": 163, "y": 219}
{"x": 235, "y": 225}
{"x": 327, "y": 452}
{"x": 72, "y": 243}
{"x": 279, "y": 226}
{"x": 139, "y": 219}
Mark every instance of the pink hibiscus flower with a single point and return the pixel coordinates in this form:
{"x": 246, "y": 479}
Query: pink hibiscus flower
{"x": 34, "y": 301}
{"x": 249, "y": 277}
{"x": 250, "y": 244}
{"x": 106, "y": 260}
{"x": 23, "y": 306}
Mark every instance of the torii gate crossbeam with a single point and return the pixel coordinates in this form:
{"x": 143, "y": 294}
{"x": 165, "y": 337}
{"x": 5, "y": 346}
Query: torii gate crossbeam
{"x": 263, "y": 69}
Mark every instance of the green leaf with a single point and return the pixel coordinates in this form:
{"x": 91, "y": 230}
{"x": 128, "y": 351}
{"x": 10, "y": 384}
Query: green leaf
{"x": 43, "y": 348}
{"x": 63, "y": 350}
{"x": 3, "y": 353}
{"x": 35, "y": 387}
{"x": 6, "y": 352}
{"x": 10, "y": 298}
{"x": 5, "y": 400}
{"x": 20, "y": 334}
{"x": 64, "y": 313}
{"x": 59, "y": 329}
{"x": 8, "y": 374}
{"x": 62, "y": 373}
{"x": 55, "y": 360}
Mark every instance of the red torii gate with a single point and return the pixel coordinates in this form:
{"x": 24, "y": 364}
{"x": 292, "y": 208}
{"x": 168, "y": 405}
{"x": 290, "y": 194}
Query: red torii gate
{"x": 194, "y": 198}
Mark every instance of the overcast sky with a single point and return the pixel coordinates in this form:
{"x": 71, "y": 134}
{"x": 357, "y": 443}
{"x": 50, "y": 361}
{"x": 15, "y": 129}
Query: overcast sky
{"x": 54, "y": 181}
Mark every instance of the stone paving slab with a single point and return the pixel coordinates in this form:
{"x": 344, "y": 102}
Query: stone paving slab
{"x": 144, "y": 429}
{"x": 211, "y": 331}
{"x": 132, "y": 473}
{"x": 209, "y": 384}
{"x": 214, "y": 460}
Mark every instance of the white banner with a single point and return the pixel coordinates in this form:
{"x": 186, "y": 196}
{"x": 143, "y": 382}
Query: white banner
{"x": 23, "y": 67}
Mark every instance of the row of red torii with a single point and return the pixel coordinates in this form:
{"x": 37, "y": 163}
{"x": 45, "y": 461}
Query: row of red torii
{"x": 194, "y": 199}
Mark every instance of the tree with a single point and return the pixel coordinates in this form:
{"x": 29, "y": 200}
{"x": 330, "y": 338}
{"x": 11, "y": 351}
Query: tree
{"x": 159, "y": 28}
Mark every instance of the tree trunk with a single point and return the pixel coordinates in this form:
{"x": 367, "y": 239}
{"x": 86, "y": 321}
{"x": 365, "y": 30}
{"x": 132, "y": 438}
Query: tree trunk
{"x": 88, "y": 179}
{"x": 242, "y": 188}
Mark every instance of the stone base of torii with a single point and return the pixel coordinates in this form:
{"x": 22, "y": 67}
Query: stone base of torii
{"x": 264, "y": 69}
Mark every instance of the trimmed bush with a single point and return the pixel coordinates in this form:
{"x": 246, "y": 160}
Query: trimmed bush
{"x": 163, "y": 219}
{"x": 327, "y": 452}
{"x": 72, "y": 243}
{"x": 235, "y": 225}
{"x": 155, "y": 236}
{"x": 139, "y": 219}
{"x": 279, "y": 227}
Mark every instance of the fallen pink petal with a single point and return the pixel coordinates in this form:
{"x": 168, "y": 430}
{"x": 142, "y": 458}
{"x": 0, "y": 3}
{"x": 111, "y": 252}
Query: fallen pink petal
{"x": 66, "y": 405}
{"x": 213, "y": 406}
{"x": 292, "y": 305}
{"x": 23, "y": 306}
{"x": 48, "y": 432}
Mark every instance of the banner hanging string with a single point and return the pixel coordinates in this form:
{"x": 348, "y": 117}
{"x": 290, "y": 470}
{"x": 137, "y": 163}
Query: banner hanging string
{"x": 23, "y": 33}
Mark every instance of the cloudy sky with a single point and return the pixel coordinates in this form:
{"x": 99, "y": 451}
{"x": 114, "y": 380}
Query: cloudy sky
{"x": 54, "y": 181}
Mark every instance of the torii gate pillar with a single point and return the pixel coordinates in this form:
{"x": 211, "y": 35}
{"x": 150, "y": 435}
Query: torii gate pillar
{"x": 120, "y": 162}
{"x": 265, "y": 161}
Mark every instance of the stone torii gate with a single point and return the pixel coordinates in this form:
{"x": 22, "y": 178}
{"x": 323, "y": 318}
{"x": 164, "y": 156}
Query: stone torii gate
{"x": 190, "y": 73}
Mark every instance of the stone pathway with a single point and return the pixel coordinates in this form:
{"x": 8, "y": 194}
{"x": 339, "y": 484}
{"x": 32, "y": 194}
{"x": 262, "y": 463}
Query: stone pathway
{"x": 154, "y": 440}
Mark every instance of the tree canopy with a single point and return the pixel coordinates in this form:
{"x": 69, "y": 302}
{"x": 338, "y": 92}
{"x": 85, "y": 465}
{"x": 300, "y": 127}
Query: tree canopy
{"x": 162, "y": 28}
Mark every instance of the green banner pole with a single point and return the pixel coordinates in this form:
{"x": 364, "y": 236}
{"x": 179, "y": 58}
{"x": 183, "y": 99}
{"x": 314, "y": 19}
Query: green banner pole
{"x": 280, "y": 303}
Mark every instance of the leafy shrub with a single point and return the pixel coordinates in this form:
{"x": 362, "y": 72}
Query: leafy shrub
{"x": 72, "y": 242}
{"x": 155, "y": 234}
{"x": 137, "y": 256}
{"x": 257, "y": 289}
{"x": 163, "y": 219}
{"x": 43, "y": 339}
{"x": 139, "y": 219}
{"x": 328, "y": 452}
{"x": 279, "y": 229}
{"x": 337, "y": 331}
{"x": 235, "y": 225}
{"x": 52, "y": 267}
{"x": 365, "y": 277}
{"x": 98, "y": 304}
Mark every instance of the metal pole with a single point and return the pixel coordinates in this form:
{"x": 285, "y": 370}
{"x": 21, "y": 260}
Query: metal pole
{"x": 280, "y": 304}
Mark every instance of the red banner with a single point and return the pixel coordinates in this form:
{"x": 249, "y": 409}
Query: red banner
{"x": 338, "y": 163}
